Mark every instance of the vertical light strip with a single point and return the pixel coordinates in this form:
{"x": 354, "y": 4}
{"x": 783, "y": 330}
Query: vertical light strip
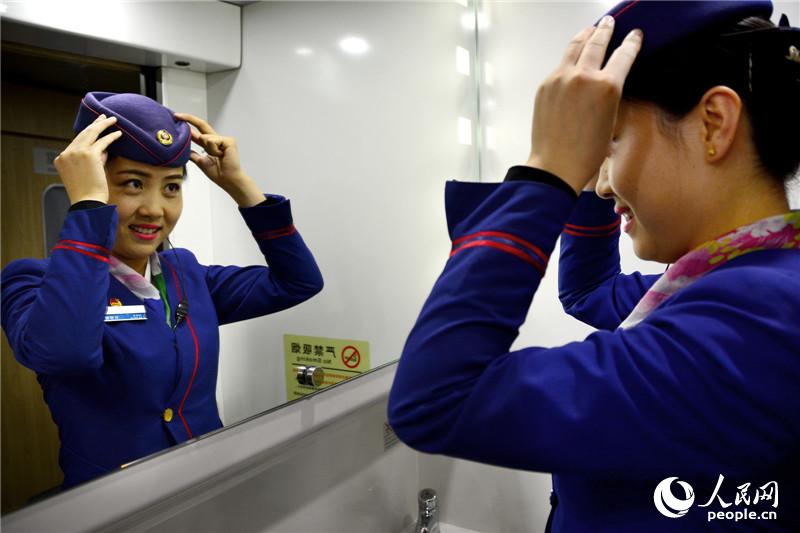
{"x": 477, "y": 66}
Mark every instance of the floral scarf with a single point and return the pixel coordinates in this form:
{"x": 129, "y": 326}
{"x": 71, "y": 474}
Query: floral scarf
{"x": 780, "y": 231}
{"x": 153, "y": 288}
{"x": 134, "y": 281}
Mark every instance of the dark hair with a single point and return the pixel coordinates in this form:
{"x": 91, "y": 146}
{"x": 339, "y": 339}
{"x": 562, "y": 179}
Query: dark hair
{"x": 752, "y": 63}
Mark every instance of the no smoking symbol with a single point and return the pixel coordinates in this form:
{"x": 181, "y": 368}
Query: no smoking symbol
{"x": 351, "y": 356}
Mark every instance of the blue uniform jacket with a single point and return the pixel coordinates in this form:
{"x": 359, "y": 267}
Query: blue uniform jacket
{"x": 706, "y": 385}
{"x": 109, "y": 384}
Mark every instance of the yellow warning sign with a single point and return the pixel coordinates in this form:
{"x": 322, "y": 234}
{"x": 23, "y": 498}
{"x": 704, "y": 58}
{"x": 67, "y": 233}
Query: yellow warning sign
{"x": 313, "y": 363}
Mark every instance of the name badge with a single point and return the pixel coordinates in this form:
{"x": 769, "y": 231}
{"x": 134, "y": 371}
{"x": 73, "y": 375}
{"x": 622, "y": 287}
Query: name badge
{"x": 119, "y": 313}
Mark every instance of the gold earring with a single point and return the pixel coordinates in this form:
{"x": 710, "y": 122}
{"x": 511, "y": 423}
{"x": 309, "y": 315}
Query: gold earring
{"x": 794, "y": 54}
{"x": 712, "y": 151}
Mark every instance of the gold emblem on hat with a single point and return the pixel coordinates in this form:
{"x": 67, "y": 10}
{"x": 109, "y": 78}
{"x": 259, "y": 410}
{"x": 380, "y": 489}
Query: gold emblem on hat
{"x": 164, "y": 137}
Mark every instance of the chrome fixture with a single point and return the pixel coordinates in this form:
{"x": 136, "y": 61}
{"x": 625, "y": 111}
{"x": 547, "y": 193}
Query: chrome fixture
{"x": 313, "y": 376}
{"x": 428, "y": 521}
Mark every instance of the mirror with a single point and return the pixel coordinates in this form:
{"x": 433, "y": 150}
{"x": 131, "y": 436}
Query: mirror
{"x": 356, "y": 112}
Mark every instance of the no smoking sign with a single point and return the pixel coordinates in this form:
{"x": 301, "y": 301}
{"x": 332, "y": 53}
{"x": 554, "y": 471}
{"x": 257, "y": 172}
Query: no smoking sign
{"x": 340, "y": 359}
{"x": 351, "y": 357}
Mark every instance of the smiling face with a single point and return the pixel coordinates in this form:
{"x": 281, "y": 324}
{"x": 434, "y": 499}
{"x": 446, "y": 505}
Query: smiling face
{"x": 649, "y": 175}
{"x": 149, "y": 202}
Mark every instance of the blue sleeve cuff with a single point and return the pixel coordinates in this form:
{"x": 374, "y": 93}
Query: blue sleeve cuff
{"x": 86, "y": 204}
{"x": 95, "y": 227}
{"x": 521, "y": 218}
{"x": 476, "y": 206}
{"x": 85, "y": 242}
{"x": 526, "y": 173}
{"x": 272, "y": 216}
{"x": 593, "y": 211}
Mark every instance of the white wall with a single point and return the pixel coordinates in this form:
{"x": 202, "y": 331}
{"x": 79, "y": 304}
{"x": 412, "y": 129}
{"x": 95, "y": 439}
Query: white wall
{"x": 362, "y": 145}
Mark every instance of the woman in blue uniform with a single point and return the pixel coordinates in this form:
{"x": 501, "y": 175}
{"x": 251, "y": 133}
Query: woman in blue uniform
{"x": 681, "y": 413}
{"x": 124, "y": 337}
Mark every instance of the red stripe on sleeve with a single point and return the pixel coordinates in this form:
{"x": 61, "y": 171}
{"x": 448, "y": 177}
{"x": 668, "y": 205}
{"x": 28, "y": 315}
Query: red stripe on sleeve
{"x": 532, "y": 247}
{"x": 87, "y": 245}
{"x": 500, "y": 246}
{"x": 84, "y": 252}
{"x": 580, "y": 234}
{"x": 274, "y": 234}
{"x": 594, "y": 228}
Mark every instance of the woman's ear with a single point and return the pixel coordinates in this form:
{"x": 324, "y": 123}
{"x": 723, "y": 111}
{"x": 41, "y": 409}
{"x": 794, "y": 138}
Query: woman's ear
{"x": 720, "y": 110}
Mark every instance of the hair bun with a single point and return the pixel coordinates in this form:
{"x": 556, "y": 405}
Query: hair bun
{"x": 773, "y": 56}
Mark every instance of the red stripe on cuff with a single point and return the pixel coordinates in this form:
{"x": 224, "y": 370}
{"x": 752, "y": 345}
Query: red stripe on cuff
{"x": 84, "y": 252}
{"x": 579, "y": 234}
{"x": 593, "y": 228}
{"x": 87, "y": 245}
{"x": 532, "y": 247}
{"x": 274, "y": 234}
{"x": 500, "y": 246}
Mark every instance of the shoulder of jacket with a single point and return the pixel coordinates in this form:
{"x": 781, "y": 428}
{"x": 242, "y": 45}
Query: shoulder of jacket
{"x": 757, "y": 283}
{"x": 178, "y": 257}
{"x": 182, "y": 253}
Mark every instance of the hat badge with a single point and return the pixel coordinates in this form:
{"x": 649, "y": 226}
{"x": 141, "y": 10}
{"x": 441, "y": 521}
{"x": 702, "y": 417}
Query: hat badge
{"x": 164, "y": 137}
{"x": 114, "y": 302}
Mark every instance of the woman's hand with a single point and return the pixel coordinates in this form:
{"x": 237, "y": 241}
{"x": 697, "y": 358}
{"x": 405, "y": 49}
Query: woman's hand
{"x": 576, "y": 106}
{"x": 221, "y": 162}
{"x": 81, "y": 164}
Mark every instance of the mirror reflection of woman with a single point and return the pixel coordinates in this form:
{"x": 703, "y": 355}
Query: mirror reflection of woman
{"x": 122, "y": 334}
{"x": 693, "y": 374}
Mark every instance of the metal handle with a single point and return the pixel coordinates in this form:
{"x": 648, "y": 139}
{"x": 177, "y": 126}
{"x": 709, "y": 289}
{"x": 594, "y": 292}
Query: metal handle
{"x": 428, "y": 520}
{"x": 312, "y": 376}
{"x": 427, "y": 500}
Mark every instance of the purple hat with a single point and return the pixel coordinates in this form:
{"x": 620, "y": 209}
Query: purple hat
{"x": 150, "y": 132}
{"x": 665, "y": 23}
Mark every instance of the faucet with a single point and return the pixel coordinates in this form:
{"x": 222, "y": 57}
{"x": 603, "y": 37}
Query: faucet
{"x": 428, "y": 521}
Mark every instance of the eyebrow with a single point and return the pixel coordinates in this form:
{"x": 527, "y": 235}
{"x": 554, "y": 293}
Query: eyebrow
{"x": 144, "y": 174}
